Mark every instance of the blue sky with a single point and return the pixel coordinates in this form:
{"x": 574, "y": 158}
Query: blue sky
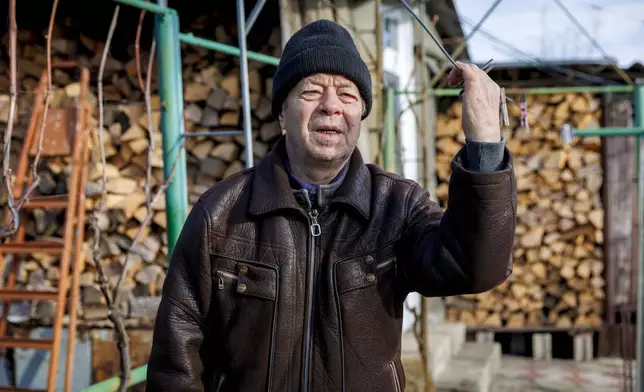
{"x": 541, "y": 30}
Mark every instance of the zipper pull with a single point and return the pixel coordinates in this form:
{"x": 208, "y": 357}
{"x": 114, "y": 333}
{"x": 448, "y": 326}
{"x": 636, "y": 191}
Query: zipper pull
{"x": 220, "y": 283}
{"x": 316, "y": 230}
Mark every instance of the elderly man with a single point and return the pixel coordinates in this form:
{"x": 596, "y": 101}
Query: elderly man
{"x": 291, "y": 276}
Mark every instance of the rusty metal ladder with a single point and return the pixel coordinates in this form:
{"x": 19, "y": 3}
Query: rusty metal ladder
{"x": 66, "y": 134}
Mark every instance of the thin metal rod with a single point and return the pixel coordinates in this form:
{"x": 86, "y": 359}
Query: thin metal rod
{"x": 389, "y": 150}
{"x": 189, "y": 38}
{"x": 463, "y": 44}
{"x": 453, "y": 92}
{"x": 213, "y": 133}
{"x": 639, "y": 122}
{"x": 436, "y": 41}
{"x": 243, "y": 70}
{"x": 254, "y": 13}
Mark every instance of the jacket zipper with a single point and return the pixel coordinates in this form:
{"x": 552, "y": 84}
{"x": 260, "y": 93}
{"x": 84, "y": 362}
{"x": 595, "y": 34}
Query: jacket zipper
{"x": 221, "y": 382}
{"x": 315, "y": 231}
{"x": 224, "y": 275}
{"x": 394, "y": 374}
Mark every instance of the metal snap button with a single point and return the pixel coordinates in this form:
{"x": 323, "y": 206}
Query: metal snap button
{"x": 241, "y": 287}
{"x": 369, "y": 260}
{"x": 243, "y": 269}
{"x": 371, "y": 278}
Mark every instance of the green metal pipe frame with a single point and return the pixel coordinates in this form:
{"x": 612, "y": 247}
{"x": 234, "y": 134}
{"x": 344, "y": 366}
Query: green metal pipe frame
{"x": 144, "y": 5}
{"x": 638, "y": 132}
{"x": 638, "y": 97}
{"x": 609, "y": 131}
{"x": 189, "y": 38}
{"x": 172, "y": 125}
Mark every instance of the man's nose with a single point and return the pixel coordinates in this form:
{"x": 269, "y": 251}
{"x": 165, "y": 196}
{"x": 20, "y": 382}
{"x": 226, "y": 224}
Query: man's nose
{"x": 330, "y": 104}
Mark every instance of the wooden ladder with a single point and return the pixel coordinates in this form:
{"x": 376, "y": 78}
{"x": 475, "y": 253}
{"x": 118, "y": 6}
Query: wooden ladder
{"x": 66, "y": 134}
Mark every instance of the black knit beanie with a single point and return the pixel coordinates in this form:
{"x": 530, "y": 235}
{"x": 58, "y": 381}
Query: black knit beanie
{"x": 322, "y": 46}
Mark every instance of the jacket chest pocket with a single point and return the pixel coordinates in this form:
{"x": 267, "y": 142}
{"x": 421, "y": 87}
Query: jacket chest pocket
{"x": 370, "y": 305}
{"x": 368, "y": 285}
{"x": 243, "y": 285}
{"x": 245, "y": 297}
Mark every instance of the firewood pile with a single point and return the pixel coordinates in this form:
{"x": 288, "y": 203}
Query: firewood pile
{"x": 558, "y": 255}
{"x": 212, "y": 102}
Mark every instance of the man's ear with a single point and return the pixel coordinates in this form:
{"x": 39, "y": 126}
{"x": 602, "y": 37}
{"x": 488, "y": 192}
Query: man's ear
{"x": 280, "y": 118}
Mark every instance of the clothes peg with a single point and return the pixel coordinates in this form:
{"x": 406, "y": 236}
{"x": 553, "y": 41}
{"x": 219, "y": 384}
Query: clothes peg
{"x": 524, "y": 113}
{"x": 504, "y": 109}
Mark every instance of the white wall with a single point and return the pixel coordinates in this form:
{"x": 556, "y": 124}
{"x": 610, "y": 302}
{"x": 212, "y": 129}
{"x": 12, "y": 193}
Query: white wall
{"x": 400, "y": 62}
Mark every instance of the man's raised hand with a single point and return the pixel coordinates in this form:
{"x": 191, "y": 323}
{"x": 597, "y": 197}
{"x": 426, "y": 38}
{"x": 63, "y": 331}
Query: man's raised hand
{"x": 481, "y": 102}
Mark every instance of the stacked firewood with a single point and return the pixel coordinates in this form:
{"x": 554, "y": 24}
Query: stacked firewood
{"x": 212, "y": 102}
{"x": 558, "y": 259}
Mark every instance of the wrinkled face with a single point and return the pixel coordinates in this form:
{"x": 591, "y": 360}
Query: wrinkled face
{"x": 321, "y": 116}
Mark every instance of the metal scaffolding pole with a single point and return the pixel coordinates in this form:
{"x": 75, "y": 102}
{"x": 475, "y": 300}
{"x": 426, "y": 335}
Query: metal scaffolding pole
{"x": 243, "y": 70}
{"x": 639, "y": 122}
{"x": 254, "y": 13}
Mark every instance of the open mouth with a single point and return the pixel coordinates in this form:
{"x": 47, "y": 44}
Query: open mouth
{"x": 328, "y": 130}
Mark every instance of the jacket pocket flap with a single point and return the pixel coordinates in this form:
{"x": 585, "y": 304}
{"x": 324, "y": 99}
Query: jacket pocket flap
{"x": 250, "y": 278}
{"x": 257, "y": 281}
{"x": 363, "y": 272}
{"x": 351, "y": 275}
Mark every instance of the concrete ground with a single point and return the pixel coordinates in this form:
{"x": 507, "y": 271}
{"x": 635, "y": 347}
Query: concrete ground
{"x": 526, "y": 375}
{"x": 461, "y": 366}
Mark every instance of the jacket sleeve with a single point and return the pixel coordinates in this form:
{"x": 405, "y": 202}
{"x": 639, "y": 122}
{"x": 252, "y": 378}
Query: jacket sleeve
{"x": 468, "y": 248}
{"x": 178, "y": 359}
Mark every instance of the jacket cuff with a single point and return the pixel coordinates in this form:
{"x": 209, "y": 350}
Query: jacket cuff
{"x": 484, "y": 156}
{"x": 492, "y": 185}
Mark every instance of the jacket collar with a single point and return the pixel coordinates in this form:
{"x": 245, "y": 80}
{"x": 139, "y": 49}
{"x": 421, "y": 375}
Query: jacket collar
{"x": 272, "y": 190}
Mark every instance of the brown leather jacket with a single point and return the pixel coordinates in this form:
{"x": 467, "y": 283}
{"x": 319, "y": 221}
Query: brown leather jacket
{"x": 265, "y": 295}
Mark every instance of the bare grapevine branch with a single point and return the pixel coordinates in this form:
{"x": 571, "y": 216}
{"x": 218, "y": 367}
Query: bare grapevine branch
{"x": 7, "y": 232}
{"x": 6, "y": 149}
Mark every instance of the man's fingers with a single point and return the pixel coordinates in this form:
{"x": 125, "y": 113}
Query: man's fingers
{"x": 472, "y": 73}
{"x": 455, "y": 76}
{"x": 467, "y": 75}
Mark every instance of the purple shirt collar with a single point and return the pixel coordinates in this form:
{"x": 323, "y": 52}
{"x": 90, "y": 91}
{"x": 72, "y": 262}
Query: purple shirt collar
{"x": 311, "y": 188}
